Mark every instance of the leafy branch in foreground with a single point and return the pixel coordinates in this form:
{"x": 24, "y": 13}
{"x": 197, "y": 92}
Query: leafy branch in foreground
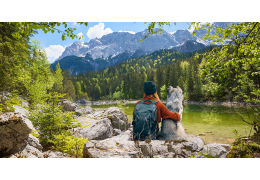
{"x": 241, "y": 58}
{"x": 151, "y": 28}
{"x": 30, "y": 27}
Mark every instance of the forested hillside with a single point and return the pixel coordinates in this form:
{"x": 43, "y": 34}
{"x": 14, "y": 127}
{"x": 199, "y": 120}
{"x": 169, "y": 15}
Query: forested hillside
{"x": 164, "y": 67}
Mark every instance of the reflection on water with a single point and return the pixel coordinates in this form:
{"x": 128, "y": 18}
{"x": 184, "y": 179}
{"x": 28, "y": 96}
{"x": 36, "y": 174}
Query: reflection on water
{"x": 213, "y": 123}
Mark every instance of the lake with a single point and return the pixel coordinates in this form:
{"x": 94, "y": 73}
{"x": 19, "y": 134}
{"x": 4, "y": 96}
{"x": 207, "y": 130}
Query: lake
{"x": 213, "y": 123}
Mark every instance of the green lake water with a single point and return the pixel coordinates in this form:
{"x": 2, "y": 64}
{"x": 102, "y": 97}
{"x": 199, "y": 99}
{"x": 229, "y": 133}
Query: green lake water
{"x": 213, "y": 123}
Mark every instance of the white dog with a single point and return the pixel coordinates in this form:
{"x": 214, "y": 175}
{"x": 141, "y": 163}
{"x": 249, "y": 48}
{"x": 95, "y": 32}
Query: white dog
{"x": 173, "y": 130}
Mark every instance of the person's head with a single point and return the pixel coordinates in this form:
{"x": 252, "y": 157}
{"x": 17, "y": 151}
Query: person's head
{"x": 150, "y": 90}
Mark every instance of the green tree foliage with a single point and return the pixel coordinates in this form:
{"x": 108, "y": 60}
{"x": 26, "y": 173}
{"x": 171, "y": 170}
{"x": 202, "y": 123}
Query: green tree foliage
{"x": 67, "y": 86}
{"x": 16, "y": 52}
{"x": 236, "y": 66}
{"x": 163, "y": 92}
{"x": 125, "y": 80}
{"x": 78, "y": 89}
{"x": 49, "y": 118}
{"x": 151, "y": 28}
{"x": 27, "y": 28}
{"x": 36, "y": 78}
{"x": 240, "y": 58}
{"x": 58, "y": 79}
{"x": 25, "y": 70}
{"x": 14, "y": 55}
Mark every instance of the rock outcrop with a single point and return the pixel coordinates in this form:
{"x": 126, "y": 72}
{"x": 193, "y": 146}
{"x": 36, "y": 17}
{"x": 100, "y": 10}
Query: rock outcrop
{"x": 16, "y": 140}
{"x": 102, "y": 124}
{"x": 32, "y": 152}
{"x": 81, "y": 111}
{"x": 122, "y": 146}
{"x": 21, "y": 110}
{"x": 100, "y": 130}
{"x": 68, "y": 105}
{"x": 14, "y": 130}
{"x": 217, "y": 150}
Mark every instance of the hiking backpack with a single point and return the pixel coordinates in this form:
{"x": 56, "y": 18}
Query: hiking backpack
{"x": 145, "y": 121}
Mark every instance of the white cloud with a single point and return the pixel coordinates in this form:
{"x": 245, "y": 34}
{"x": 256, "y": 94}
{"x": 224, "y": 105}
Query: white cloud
{"x": 75, "y": 24}
{"x": 79, "y": 35}
{"x": 98, "y": 31}
{"x": 53, "y": 52}
{"x": 131, "y": 32}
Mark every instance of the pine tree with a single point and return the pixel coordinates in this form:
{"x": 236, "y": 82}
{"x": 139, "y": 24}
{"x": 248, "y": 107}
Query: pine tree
{"x": 167, "y": 76}
{"x": 78, "y": 89}
{"x": 58, "y": 79}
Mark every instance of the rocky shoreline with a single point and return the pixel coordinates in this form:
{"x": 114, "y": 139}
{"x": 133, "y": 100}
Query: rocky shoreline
{"x": 110, "y": 136}
{"x": 223, "y": 103}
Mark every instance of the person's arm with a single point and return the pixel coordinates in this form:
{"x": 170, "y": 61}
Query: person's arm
{"x": 167, "y": 114}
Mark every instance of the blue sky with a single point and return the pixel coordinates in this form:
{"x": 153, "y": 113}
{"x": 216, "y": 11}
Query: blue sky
{"x": 54, "y": 46}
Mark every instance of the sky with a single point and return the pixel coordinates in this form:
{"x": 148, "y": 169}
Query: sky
{"x": 54, "y": 46}
{"x": 114, "y": 15}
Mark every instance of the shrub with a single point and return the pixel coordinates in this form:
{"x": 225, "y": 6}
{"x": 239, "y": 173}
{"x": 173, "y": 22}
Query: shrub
{"x": 244, "y": 147}
{"x": 69, "y": 144}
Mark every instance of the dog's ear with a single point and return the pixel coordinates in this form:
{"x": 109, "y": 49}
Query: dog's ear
{"x": 179, "y": 89}
{"x": 169, "y": 90}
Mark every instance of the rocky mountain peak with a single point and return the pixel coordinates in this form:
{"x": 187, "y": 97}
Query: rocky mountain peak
{"x": 115, "y": 43}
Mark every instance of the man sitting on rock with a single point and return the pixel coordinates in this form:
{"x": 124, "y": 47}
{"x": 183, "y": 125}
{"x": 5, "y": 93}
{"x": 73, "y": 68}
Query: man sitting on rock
{"x": 148, "y": 113}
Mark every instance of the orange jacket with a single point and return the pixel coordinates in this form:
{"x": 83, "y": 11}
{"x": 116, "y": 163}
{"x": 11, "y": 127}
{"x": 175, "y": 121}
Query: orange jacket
{"x": 162, "y": 111}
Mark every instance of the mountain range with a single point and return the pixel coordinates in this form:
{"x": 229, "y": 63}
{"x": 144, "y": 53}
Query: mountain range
{"x": 116, "y": 47}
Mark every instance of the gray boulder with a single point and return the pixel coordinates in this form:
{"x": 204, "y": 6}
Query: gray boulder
{"x": 100, "y": 130}
{"x": 14, "y": 130}
{"x": 117, "y": 146}
{"x": 28, "y": 152}
{"x": 81, "y": 111}
{"x": 32, "y": 152}
{"x": 119, "y": 120}
{"x": 55, "y": 154}
{"x": 216, "y": 150}
{"x": 196, "y": 139}
{"x": 34, "y": 142}
{"x": 112, "y": 110}
{"x": 83, "y": 101}
{"x": 116, "y": 132}
{"x": 190, "y": 146}
{"x": 19, "y": 109}
{"x": 68, "y": 105}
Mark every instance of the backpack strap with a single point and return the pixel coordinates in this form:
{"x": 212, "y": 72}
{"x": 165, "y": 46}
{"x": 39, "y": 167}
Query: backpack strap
{"x": 153, "y": 102}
